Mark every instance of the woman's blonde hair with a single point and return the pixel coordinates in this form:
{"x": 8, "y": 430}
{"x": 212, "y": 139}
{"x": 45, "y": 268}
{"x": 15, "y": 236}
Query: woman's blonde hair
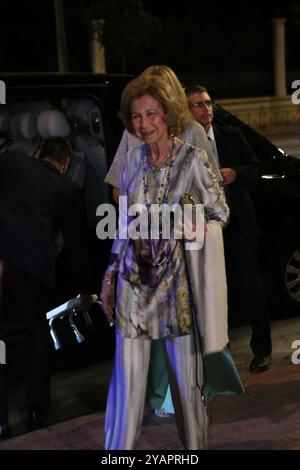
{"x": 166, "y": 73}
{"x": 160, "y": 82}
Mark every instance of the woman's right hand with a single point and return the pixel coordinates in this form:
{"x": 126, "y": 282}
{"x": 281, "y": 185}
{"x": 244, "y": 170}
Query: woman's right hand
{"x": 107, "y": 295}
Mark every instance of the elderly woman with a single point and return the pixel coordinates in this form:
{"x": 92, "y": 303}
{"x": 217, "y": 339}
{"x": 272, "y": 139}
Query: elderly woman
{"x": 158, "y": 392}
{"x": 153, "y": 293}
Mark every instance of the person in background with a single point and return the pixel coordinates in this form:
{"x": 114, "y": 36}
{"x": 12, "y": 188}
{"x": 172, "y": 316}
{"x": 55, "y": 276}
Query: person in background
{"x": 239, "y": 167}
{"x": 153, "y": 297}
{"x": 36, "y": 202}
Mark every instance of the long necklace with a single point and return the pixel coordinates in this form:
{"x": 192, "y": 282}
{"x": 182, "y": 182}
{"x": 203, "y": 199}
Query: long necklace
{"x": 162, "y": 196}
{"x": 159, "y": 249}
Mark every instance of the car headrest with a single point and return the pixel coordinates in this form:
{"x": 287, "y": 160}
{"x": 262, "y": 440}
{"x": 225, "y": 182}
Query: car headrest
{"x": 28, "y": 126}
{"x": 52, "y": 123}
{"x": 85, "y": 113}
{"x": 23, "y": 126}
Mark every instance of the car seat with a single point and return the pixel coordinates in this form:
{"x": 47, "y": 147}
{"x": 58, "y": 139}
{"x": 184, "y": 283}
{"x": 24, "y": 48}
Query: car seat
{"x": 23, "y": 128}
{"x": 54, "y": 123}
{"x": 87, "y": 137}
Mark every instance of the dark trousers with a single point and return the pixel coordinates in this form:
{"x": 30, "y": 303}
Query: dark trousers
{"x": 30, "y": 298}
{"x": 246, "y": 294}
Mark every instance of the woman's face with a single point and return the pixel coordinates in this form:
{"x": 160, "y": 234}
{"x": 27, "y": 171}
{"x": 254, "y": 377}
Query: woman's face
{"x": 149, "y": 120}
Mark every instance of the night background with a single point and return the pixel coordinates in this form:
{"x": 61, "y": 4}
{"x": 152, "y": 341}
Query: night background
{"x": 227, "y": 47}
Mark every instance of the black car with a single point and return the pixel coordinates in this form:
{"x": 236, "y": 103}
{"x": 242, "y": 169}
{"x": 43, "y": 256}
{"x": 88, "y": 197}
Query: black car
{"x": 84, "y": 108}
{"x": 277, "y": 203}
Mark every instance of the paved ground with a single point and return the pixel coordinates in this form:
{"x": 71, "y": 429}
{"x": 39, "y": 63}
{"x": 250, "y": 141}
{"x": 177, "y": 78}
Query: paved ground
{"x": 267, "y": 417}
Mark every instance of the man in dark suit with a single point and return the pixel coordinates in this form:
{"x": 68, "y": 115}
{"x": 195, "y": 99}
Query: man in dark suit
{"x": 36, "y": 202}
{"x": 238, "y": 167}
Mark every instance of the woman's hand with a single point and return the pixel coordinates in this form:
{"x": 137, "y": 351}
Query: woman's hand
{"x": 107, "y": 294}
{"x": 88, "y": 299}
{"x": 229, "y": 175}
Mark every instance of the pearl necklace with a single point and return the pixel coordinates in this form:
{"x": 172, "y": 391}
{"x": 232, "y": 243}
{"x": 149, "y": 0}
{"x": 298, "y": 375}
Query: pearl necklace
{"x": 162, "y": 196}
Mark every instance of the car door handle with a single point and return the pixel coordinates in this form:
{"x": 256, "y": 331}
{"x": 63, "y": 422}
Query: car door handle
{"x": 273, "y": 177}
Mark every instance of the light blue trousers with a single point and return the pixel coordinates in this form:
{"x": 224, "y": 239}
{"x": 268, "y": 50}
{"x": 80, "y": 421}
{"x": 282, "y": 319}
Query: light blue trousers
{"x": 127, "y": 392}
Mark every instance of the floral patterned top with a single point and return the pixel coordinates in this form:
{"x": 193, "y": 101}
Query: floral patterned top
{"x": 153, "y": 299}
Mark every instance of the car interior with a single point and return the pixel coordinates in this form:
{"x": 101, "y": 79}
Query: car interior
{"x": 24, "y": 126}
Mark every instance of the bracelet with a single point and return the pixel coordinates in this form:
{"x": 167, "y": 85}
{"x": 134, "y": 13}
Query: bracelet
{"x": 108, "y": 277}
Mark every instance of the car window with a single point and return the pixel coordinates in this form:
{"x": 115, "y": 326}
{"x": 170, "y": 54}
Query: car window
{"x": 262, "y": 147}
